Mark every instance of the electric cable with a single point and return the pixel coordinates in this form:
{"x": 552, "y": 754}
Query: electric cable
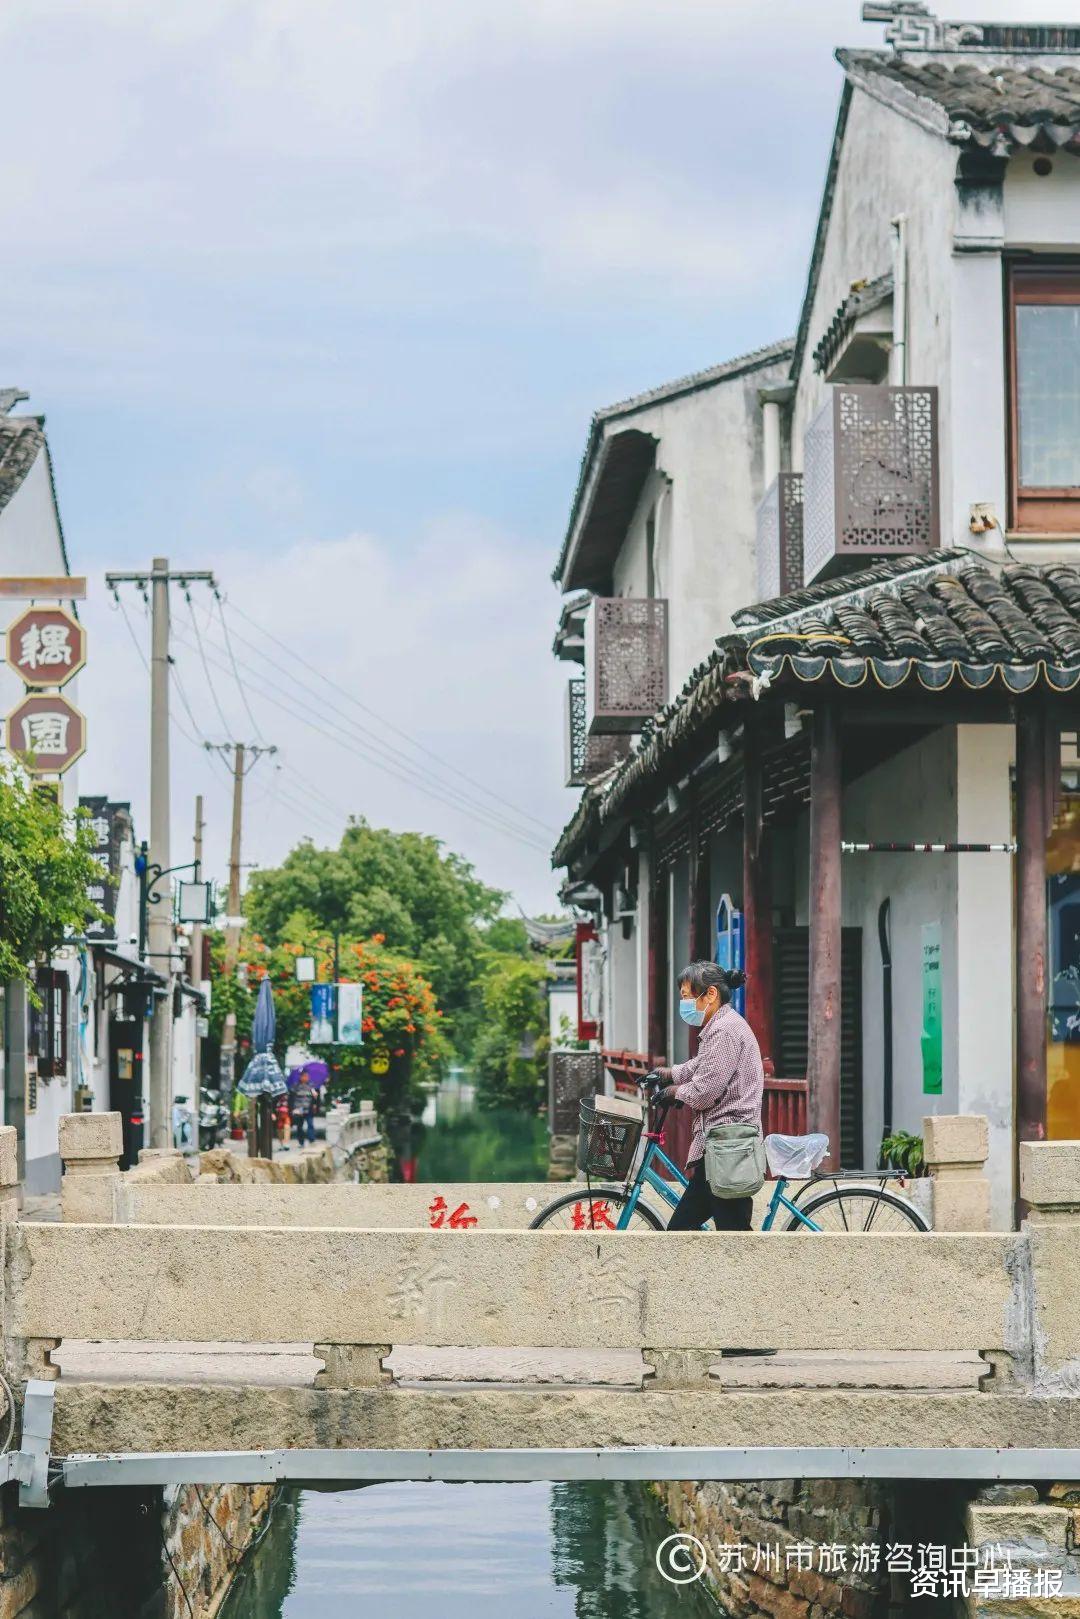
{"x": 421, "y": 748}
{"x": 393, "y": 757}
{"x": 118, "y": 599}
{"x": 202, "y": 654}
{"x": 232, "y": 659}
{"x": 453, "y": 797}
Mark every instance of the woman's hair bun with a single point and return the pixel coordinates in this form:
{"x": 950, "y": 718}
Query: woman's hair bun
{"x": 735, "y": 978}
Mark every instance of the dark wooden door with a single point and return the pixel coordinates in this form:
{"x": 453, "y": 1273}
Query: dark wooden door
{"x": 792, "y": 1018}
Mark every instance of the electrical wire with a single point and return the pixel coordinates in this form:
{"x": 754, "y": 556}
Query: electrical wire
{"x": 202, "y": 654}
{"x": 447, "y": 795}
{"x": 119, "y": 601}
{"x": 428, "y": 755}
{"x": 392, "y": 760}
{"x": 232, "y": 659}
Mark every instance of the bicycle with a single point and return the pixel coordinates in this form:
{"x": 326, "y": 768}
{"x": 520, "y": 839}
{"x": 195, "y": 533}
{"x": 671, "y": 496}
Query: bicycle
{"x": 608, "y": 1142}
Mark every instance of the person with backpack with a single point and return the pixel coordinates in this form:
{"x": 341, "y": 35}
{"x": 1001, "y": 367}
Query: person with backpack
{"x": 302, "y": 1108}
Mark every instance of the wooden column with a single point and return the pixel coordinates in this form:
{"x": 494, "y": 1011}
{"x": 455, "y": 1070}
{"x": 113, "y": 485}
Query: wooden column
{"x": 1031, "y": 922}
{"x": 825, "y": 892}
{"x": 757, "y": 896}
{"x": 659, "y": 985}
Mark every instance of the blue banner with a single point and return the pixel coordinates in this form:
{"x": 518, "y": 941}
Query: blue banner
{"x": 323, "y": 1014}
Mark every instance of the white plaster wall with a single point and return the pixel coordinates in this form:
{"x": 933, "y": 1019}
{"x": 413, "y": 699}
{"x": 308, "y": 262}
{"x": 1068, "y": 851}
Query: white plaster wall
{"x": 678, "y": 953}
{"x": 562, "y": 1003}
{"x": 888, "y": 166}
{"x": 704, "y": 495}
{"x": 1042, "y": 211}
{"x": 986, "y": 973}
{"x": 910, "y": 798}
{"x": 641, "y": 954}
{"x": 621, "y": 1017}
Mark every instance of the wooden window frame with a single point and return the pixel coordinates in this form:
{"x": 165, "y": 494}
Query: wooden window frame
{"x": 1037, "y": 511}
{"x": 52, "y": 1021}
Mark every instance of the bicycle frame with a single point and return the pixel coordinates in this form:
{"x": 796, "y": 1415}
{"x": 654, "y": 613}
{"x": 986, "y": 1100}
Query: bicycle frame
{"x": 646, "y": 1175}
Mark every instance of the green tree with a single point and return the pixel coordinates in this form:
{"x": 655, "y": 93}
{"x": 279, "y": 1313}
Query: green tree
{"x": 427, "y": 903}
{"x": 46, "y": 864}
{"x": 510, "y": 1048}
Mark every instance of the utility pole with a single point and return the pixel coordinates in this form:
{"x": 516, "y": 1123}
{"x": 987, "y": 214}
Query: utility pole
{"x": 197, "y": 945}
{"x": 160, "y": 941}
{"x": 245, "y": 756}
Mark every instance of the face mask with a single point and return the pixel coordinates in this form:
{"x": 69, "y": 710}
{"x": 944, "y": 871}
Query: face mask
{"x": 692, "y": 1014}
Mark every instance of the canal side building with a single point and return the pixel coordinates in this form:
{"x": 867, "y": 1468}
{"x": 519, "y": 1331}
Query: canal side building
{"x": 857, "y": 621}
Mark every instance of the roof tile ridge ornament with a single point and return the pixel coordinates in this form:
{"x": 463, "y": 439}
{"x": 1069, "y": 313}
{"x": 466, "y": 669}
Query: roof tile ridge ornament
{"x": 912, "y": 26}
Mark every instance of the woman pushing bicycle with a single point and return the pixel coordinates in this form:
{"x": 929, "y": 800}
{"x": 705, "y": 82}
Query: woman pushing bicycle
{"x": 722, "y": 1084}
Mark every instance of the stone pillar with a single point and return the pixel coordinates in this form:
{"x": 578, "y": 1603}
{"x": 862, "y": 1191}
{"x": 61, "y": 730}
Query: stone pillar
{"x": 1050, "y": 1186}
{"x": 826, "y": 793}
{"x": 9, "y": 1173}
{"x": 955, "y": 1148}
{"x": 90, "y": 1146}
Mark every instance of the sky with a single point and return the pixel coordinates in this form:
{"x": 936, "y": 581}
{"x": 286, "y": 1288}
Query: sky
{"x": 321, "y": 295}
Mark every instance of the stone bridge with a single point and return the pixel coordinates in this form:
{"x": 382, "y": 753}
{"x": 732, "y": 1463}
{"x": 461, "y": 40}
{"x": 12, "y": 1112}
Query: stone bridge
{"x": 955, "y": 1353}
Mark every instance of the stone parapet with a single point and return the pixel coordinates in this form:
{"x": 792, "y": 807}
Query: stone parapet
{"x": 1050, "y": 1180}
{"x": 955, "y": 1149}
{"x": 90, "y": 1147}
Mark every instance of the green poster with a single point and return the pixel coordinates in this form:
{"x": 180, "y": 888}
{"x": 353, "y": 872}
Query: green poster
{"x": 931, "y": 1009}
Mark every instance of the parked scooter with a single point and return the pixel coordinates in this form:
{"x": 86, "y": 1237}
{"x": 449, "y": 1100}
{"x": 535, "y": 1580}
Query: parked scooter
{"x": 213, "y": 1119}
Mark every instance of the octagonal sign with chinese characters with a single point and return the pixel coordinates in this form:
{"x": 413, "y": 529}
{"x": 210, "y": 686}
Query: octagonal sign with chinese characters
{"x": 46, "y": 733}
{"x": 46, "y": 646}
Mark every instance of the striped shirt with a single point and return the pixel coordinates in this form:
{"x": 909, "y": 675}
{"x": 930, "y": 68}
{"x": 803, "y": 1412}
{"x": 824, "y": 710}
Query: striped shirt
{"x": 724, "y": 1082}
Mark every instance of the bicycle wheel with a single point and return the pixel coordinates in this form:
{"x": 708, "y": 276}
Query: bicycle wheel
{"x": 575, "y": 1211}
{"x": 859, "y": 1209}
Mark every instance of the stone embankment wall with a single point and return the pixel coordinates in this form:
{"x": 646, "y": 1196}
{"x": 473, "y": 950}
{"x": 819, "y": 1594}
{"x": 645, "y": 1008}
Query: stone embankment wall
{"x": 127, "y": 1553}
{"x": 1032, "y": 1527}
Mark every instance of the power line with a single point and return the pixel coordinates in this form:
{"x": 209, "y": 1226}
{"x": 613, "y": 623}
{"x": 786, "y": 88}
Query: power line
{"x": 429, "y": 756}
{"x": 232, "y": 660}
{"x": 199, "y": 641}
{"x": 447, "y": 795}
{"x": 394, "y": 763}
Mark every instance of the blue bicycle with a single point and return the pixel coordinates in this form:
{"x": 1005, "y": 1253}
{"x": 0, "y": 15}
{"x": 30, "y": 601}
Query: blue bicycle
{"x": 611, "y": 1132}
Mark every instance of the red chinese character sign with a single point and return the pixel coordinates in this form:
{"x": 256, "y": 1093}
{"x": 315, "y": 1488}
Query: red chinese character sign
{"x": 46, "y": 646}
{"x": 46, "y": 733}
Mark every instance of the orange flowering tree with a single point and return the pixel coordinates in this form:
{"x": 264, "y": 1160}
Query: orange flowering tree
{"x": 404, "y": 1044}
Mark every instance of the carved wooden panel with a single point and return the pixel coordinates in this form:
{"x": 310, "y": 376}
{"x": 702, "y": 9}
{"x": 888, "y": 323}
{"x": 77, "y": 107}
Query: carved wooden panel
{"x": 780, "y": 537}
{"x": 587, "y": 756}
{"x": 572, "y": 1075}
{"x": 625, "y": 662}
{"x": 871, "y": 476}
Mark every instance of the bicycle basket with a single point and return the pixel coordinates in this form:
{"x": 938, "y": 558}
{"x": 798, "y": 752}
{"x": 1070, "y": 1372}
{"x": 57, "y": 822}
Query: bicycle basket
{"x": 608, "y": 1135}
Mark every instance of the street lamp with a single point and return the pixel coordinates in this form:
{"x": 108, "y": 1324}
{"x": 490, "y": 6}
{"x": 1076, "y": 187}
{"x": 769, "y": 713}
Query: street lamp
{"x": 194, "y": 898}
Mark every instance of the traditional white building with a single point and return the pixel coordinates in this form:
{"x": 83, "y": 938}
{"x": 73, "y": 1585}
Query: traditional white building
{"x": 867, "y": 580}
{"x": 83, "y": 1046}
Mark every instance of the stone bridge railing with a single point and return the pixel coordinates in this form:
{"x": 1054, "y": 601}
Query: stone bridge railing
{"x": 295, "y": 1264}
{"x": 955, "y": 1195}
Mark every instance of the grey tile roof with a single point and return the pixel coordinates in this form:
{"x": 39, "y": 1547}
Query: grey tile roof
{"x": 928, "y": 619}
{"x": 1001, "y": 104}
{"x": 21, "y": 440}
{"x": 863, "y": 298}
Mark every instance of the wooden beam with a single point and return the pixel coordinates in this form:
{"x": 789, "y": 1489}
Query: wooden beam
{"x": 825, "y": 927}
{"x": 1031, "y": 923}
{"x": 757, "y": 895}
{"x": 659, "y": 985}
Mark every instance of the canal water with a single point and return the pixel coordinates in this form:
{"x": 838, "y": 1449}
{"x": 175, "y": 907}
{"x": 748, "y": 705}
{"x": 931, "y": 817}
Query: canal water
{"x": 464, "y": 1551}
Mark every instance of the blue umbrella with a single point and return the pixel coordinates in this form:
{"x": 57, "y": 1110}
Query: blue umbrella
{"x": 263, "y": 1076}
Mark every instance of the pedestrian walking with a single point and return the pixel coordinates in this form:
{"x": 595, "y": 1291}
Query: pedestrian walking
{"x": 302, "y": 1107}
{"x": 723, "y": 1085}
{"x": 283, "y": 1120}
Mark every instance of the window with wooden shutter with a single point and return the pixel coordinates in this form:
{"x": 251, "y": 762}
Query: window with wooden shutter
{"x": 792, "y": 1021}
{"x": 1044, "y": 397}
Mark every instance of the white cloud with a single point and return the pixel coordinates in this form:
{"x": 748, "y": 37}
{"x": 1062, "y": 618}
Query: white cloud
{"x": 450, "y": 649}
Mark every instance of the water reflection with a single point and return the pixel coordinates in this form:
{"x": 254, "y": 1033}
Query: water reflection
{"x": 465, "y": 1551}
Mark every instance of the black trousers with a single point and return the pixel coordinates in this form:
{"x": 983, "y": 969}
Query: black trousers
{"x": 698, "y": 1203}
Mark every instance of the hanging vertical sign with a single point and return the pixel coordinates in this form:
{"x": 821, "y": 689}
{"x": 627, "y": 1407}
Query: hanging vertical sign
{"x": 323, "y": 1014}
{"x": 110, "y": 823}
{"x": 350, "y": 1014}
{"x": 931, "y": 1009}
